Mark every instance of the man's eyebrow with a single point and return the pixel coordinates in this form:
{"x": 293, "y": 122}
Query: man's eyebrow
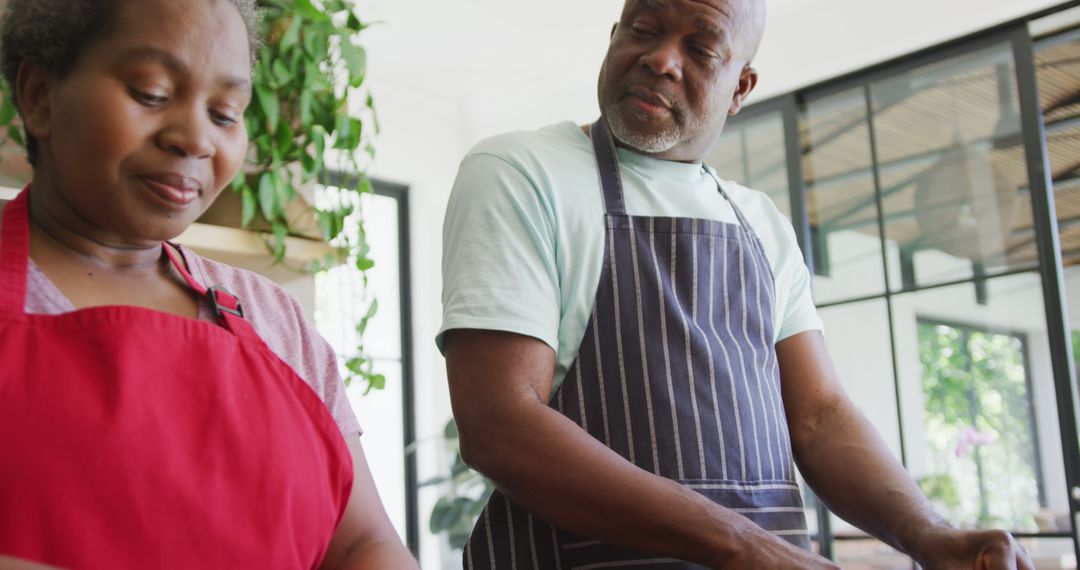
{"x": 701, "y": 23}
{"x": 151, "y": 54}
{"x": 708, "y": 26}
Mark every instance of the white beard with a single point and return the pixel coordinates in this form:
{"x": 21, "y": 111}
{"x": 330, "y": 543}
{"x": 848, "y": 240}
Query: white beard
{"x": 649, "y": 142}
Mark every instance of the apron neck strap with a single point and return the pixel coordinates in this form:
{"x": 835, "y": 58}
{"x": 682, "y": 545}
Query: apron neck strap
{"x": 607, "y": 160}
{"x": 738, "y": 213}
{"x": 15, "y": 253}
{"x": 227, "y": 307}
{"x": 15, "y": 256}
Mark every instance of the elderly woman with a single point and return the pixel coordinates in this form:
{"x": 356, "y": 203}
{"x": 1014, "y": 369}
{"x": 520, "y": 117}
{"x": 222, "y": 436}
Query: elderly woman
{"x": 158, "y": 409}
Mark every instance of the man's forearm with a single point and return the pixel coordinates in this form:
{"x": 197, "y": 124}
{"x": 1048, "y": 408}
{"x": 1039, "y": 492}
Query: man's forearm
{"x": 552, "y": 468}
{"x": 851, "y": 469}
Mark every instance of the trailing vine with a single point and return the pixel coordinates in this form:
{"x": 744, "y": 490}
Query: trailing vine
{"x": 309, "y": 106}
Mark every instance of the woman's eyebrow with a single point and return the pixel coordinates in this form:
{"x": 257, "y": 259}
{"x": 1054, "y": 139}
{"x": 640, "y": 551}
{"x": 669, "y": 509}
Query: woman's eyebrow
{"x": 151, "y": 54}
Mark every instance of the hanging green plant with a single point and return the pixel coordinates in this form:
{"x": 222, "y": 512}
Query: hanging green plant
{"x": 309, "y": 106}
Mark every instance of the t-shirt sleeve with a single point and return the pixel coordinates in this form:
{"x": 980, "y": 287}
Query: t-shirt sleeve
{"x": 799, "y": 313}
{"x": 318, "y": 366}
{"x": 499, "y": 253}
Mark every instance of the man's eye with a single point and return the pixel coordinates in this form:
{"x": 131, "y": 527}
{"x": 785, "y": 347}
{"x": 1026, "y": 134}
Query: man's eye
{"x": 148, "y": 99}
{"x": 642, "y": 31}
{"x": 704, "y": 53}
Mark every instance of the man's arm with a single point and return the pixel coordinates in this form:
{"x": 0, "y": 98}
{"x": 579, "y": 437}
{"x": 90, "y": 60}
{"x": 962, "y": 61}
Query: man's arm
{"x": 849, "y": 466}
{"x": 500, "y": 384}
{"x": 365, "y": 539}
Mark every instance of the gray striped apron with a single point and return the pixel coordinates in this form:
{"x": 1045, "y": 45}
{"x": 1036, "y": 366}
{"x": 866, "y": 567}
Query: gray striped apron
{"x": 677, "y": 372}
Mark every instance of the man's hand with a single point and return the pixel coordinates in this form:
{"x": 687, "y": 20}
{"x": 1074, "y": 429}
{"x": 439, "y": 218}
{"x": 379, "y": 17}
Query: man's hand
{"x": 978, "y": 550}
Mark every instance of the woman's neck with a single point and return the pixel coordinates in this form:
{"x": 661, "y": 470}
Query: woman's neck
{"x": 64, "y": 233}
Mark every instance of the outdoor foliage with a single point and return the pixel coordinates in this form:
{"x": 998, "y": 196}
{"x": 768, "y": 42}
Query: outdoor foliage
{"x": 979, "y": 427}
{"x": 466, "y": 494}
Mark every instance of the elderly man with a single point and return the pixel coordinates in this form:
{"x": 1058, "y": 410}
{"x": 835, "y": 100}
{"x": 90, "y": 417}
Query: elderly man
{"x": 633, "y": 353}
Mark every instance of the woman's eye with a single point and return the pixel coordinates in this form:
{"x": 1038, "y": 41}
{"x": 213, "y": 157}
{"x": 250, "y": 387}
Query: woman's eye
{"x": 148, "y": 99}
{"x": 222, "y": 119}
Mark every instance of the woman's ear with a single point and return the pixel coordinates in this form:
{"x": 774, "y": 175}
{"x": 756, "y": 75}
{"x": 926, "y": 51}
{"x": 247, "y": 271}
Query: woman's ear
{"x": 33, "y": 90}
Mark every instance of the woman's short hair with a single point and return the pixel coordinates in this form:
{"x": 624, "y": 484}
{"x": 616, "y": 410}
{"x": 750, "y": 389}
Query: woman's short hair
{"x": 53, "y": 33}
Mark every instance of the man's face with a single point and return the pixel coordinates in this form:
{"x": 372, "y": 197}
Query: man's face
{"x": 674, "y": 71}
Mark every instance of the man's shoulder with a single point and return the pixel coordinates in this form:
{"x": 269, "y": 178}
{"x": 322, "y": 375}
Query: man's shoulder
{"x": 754, "y": 203}
{"x": 533, "y": 149}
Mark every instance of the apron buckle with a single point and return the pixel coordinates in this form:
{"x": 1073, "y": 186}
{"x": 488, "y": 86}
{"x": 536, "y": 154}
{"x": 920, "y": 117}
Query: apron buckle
{"x": 225, "y": 302}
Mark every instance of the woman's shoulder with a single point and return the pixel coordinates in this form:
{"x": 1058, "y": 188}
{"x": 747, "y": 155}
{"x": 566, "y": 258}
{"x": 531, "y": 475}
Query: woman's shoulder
{"x": 265, "y": 302}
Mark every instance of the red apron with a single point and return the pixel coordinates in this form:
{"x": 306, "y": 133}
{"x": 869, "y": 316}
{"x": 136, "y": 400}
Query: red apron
{"x": 133, "y": 438}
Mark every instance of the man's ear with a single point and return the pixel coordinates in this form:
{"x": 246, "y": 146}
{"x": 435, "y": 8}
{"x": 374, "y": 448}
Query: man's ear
{"x": 33, "y": 90}
{"x": 614, "y": 27}
{"x": 748, "y": 79}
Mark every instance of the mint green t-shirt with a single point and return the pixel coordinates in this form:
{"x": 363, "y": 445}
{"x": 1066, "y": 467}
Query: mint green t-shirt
{"x": 523, "y": 240}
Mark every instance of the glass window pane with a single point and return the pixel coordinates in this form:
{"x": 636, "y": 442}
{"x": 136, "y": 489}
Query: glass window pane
{"x": 837, "y": 166}
{"x": 1050, "y": 553}
{"x": 381, "y": 415}
{"x": 952, "y": 169}
{"x": 857, "y": 336}
{"x": 869, "y": 554}
{"x": 342, "y": 297}
{"x": 752, "y": 153}
{"x": 1057, "y": 64}
{"x": 980, "y": 414}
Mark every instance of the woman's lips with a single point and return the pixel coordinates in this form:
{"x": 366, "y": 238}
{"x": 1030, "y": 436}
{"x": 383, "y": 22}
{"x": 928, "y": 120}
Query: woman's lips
{"x": 173, "y": 189}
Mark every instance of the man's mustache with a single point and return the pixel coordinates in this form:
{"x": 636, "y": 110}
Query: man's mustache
{"x": 655, "y": 93}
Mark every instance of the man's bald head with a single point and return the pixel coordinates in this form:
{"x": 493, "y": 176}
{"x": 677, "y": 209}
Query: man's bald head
{"x": 746, "y": 16}
{"x": 751, "y": 18}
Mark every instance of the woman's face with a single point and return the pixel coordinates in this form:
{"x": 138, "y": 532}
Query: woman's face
{"x": 141, "y": 136}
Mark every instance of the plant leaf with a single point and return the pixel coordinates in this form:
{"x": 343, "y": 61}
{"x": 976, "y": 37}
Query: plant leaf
{"x": 308, "y": 10}
{"x": 270, "y": 105}
{"x": 266, "y": 195}
{"x": 249, "y": 206}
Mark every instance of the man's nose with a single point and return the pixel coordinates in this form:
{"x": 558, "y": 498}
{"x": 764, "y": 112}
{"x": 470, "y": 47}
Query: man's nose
{"x": 665, "y": 59}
